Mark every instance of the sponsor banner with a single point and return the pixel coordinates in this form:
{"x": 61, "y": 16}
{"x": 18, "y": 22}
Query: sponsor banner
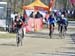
{"x": 35, "y": 23}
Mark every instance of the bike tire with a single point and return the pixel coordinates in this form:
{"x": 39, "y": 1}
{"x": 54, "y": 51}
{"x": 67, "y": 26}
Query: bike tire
{"x": 50, "y": 34}
{"x": 18, "y": 41}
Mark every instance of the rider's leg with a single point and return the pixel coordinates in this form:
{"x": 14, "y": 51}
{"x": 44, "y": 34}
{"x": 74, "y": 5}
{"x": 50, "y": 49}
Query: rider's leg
{"x": 49, "y": 28}
{"x": 22, "y": 32}
{"x": 53, "y": 26}
{"x": 66, "y": 28}
{"x": 58, "y": 27}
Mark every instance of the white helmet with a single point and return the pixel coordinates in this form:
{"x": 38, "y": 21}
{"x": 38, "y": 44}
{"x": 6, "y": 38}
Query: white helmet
{"x": 62, "y": 16}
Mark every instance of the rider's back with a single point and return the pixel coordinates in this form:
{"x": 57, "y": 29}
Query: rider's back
{"x": 51, "y": 20}
{"x": 64, "y": 21}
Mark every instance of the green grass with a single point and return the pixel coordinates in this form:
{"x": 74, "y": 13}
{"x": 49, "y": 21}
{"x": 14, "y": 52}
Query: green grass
{"x": 71, "y": 19}
{"x": 7, "y": 35}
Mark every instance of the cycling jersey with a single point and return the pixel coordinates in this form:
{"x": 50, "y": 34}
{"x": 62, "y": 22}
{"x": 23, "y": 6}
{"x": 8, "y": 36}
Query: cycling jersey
{"x": 18, "y": 23}
{"x": 64, "y": 21}
{"x": 51, "y": 20}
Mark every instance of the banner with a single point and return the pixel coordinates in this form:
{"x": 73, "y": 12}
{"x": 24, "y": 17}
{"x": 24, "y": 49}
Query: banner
{"x": 35, "y": 23}
{"x": 38, "y": 24}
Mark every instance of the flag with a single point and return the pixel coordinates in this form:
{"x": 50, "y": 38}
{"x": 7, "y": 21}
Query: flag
{"x": 51, "y": 4}
{"x": 72, "y": 2}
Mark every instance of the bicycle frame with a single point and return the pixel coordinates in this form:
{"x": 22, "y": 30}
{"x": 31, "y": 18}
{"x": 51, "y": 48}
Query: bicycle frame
{"x": 19, "y": 36}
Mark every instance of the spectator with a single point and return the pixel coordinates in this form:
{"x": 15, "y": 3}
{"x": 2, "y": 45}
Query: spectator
{"x": 38, "y": 15}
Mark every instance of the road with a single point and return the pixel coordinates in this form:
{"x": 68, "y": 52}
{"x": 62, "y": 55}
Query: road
{"x": 71, "y": 24}
{"x": 39, "y": 44}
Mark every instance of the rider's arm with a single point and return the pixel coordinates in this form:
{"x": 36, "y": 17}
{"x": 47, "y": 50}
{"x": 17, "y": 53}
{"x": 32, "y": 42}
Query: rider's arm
{"x": 55, "y": 20}
{"x": 48, "y": 23}
{"x": 66, "y": 21}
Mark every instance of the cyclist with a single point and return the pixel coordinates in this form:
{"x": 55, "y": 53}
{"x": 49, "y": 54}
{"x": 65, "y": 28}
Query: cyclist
{"x": 51, "y": 23}
{"x": 58, "y": 21}
{"x": 63, "y": 21}
{"x": 18, "y": 22}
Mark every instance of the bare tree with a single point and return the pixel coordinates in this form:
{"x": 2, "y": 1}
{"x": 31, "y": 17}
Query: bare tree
{"x": 14, "y": 5}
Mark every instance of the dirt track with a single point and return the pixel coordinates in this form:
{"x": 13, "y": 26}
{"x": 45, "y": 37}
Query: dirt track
{"x": 36, "y": 44}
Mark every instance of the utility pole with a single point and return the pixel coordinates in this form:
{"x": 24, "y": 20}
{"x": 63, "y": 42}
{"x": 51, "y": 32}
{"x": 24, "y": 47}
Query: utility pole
{"x": 8, "y": 22}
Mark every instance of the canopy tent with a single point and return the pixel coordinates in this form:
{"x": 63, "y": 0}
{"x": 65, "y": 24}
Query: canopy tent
{"x": 36, "y": 23}
{"x": 37, "y": 4}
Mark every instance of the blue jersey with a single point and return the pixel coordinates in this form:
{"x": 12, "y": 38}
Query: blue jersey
{"x": 51, "y": 21}
{"x": 64, "y": 21}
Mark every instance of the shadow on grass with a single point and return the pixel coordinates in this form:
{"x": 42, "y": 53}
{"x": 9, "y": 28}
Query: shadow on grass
{"x": 43, "y": 35}
{"x": 5, "y": 44}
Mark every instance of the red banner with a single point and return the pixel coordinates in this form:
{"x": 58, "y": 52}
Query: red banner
{"x": 37, "y": 24}
{"x": 40, "y": 8}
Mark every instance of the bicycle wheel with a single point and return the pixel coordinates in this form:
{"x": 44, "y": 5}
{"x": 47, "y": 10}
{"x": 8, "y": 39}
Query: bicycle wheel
{"x": 50, "y": 34}
{"x": 50, "y": 31}
{"x": 17, "y": 39}
{"x": 60, "y": 31}
{"x": 22, "y": 33}
{"x": 64, "y": 31}
{"x": 21, "y": 40}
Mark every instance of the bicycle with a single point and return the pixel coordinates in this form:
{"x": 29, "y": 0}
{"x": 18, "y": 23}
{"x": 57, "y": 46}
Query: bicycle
{"x": 19, "y": 36}
{"x": 51, "y": 30}
{"x": 62, "y": 31}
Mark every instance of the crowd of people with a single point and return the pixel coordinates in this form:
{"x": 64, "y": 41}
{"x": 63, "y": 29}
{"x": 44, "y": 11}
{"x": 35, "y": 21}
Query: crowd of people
{"x": 24, "y": 20}
{"x": 59, "y": 19}
{"x": 51, "y": 19}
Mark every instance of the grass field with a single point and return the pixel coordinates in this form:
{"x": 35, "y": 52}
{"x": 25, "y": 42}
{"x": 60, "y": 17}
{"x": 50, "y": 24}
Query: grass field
{"x": 7, "y": 35}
